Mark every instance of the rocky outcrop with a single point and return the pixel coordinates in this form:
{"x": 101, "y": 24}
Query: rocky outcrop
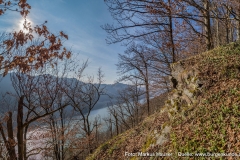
{"x": 186, "y": 87}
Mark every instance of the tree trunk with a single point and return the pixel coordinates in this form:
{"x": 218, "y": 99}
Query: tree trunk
{"x": 55, "y": 139}
{"x": 217, "y": 29}
{"x": 25, "y": 143}
{"x": 63, "y": 135}
{"x": 231, "y": 31}
{"x": 148, "y": 98}
{"x": 171, "y": 33}
{"x": 111, "y": 132}
{"x": 147, "y": 88}
{"x": 227, "y": 27}
{"x": 238, "y": 22}
{"x": 20, "y": 129}
{"x": 136, "y": 104}
{"x": 116, "y": 118}
{"x": 11, "y": 141}
{"x": 207, "y": 25}
{"x": 10, "y": 148}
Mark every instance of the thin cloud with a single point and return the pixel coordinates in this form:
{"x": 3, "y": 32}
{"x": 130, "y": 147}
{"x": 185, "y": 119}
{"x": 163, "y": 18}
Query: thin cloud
{"x": 81, "y": 21}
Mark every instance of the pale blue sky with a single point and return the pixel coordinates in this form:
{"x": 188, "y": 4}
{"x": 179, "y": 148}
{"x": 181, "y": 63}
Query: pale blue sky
{"x": 81, "y": 20}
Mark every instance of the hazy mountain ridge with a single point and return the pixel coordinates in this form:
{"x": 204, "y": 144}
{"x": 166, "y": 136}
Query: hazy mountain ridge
{"x": 110, "y": 89}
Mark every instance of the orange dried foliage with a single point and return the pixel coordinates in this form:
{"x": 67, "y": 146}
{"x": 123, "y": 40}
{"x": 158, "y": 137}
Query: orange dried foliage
{"x": 34, "y": 55}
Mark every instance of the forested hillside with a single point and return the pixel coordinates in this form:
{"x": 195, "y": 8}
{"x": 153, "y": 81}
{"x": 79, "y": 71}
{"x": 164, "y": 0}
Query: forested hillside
{"x": 199, "y": 117}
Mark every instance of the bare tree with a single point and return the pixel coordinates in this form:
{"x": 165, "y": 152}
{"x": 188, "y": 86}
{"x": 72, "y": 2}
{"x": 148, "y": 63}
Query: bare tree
{"x": 83, "y": 98}
{"x": 62, "y": 134}
{"x": 109, "y": 125}
{"x": 127, "y": 112}
{"x": 136, "y": 64}
{"x": 39, "y": 95}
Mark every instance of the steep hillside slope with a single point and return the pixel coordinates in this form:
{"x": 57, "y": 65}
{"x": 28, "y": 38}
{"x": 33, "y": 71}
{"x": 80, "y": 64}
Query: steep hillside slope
{"x": 201, "y": 114}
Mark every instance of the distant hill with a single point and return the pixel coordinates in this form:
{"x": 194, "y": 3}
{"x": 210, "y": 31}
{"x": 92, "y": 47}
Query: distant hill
{"x": 110, "y": 89}
{"x": 6, "y": 84}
